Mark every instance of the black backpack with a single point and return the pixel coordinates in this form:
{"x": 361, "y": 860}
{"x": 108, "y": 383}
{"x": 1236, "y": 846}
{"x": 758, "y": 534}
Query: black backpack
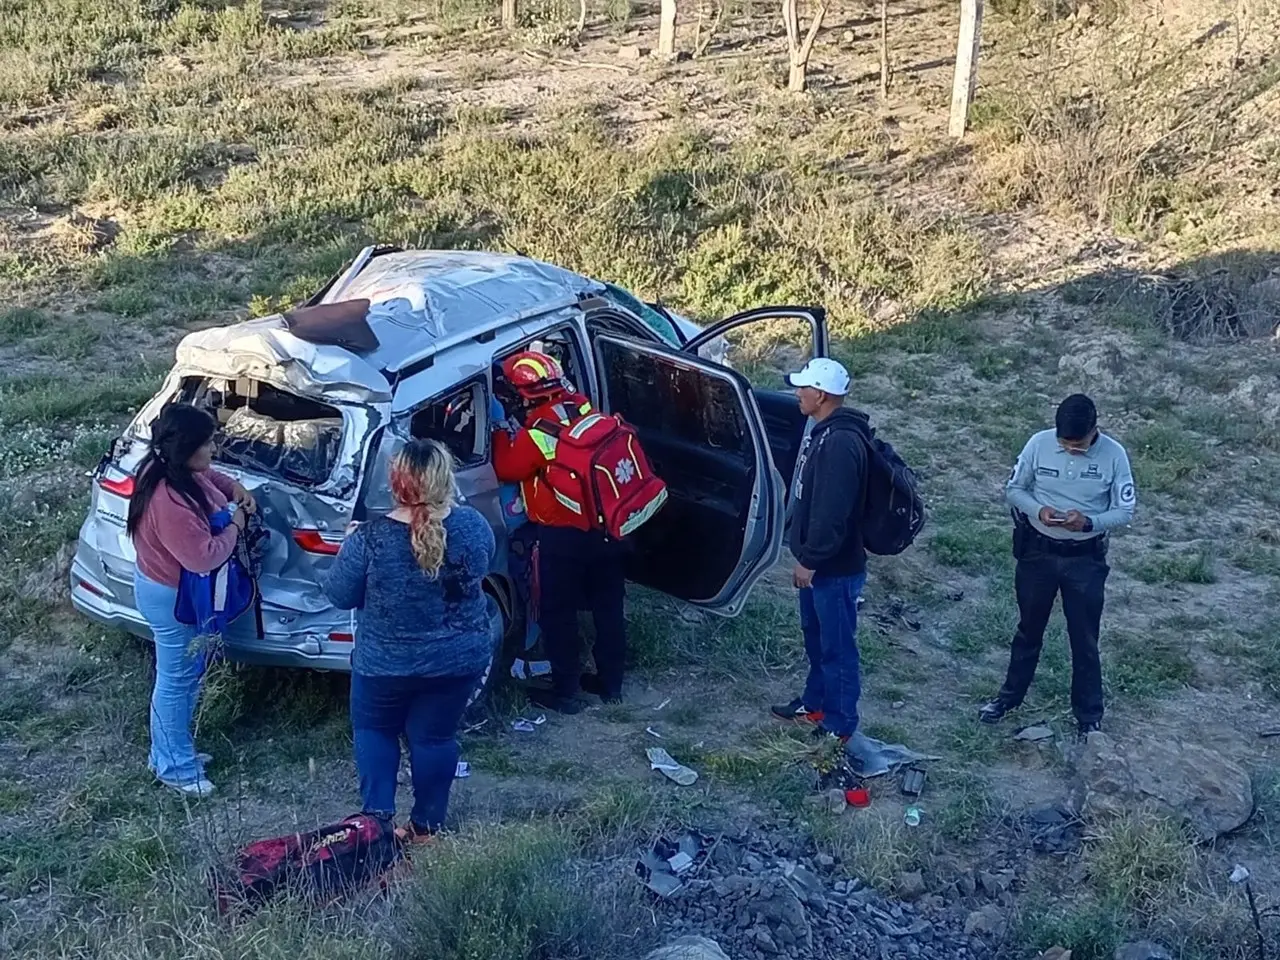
{"x": 893, "y": 510}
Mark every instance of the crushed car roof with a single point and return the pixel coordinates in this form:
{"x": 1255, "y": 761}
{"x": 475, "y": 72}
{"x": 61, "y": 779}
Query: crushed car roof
{"x": 420, "y": 299}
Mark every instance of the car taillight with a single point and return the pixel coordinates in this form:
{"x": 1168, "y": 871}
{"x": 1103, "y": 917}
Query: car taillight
{"x": 342, "y": 638}
{"x": 313, "y": 541}
{"x": 90, "y": 588}
{"x": 120, "y": 486}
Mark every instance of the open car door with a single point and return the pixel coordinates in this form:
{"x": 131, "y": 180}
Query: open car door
{"x": 784, "y": 424}
{"x": 721, "y": 527}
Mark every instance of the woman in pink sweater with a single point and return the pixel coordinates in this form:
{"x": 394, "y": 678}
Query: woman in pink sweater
{"x": 175, "y": 495}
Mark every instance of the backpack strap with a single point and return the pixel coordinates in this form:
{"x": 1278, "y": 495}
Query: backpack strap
{"x": 550, "y": 427}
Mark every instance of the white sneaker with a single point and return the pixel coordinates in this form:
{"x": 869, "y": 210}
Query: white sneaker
{"x": 194, "y": 788}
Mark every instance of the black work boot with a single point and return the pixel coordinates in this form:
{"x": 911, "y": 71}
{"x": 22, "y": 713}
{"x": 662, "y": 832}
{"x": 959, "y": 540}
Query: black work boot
{"x": 550, "y": 700}
{"x": 1086, "y": 727}
{"x": 994, "y": 710}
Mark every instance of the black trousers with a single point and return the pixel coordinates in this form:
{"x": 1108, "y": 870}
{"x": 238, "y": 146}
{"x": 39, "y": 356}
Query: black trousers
{"x": 580, "y": 570}
{"x": 1079, "y": 573}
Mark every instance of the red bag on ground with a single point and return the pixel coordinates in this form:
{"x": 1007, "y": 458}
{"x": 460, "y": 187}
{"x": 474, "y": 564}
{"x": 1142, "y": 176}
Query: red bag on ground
{"x": 325, "y": 864}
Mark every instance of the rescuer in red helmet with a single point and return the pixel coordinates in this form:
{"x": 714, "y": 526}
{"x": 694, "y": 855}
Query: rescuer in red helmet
{"x": 578, "y": 567}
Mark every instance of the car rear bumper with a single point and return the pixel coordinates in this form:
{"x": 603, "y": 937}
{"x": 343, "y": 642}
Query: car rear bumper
{"x": 272, "y": 650}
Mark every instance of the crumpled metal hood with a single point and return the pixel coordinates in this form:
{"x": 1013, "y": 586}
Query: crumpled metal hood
{"x": 264, "y": 349}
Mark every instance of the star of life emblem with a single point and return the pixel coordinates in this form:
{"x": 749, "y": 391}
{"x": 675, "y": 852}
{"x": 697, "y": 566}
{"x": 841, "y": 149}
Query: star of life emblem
{"x": 625, "y": 470}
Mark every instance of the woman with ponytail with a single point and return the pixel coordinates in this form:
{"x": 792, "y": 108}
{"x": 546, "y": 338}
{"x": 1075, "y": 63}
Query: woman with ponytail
{"x": 422, "y": 633}
{"x": 175, "y": 495}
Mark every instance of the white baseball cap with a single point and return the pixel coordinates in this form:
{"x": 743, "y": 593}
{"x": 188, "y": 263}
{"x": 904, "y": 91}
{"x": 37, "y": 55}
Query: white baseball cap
{"x": 822, "y": 373}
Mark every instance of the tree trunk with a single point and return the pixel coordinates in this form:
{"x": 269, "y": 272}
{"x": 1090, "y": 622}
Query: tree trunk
{"x": 800, "y": 50}
{"x": 884, "y": 49}
{"x": 704, "y": 40}
{"x": 509, "y": 13}
{"x": 667, "y": 29}
{"x": 582, "y": 16}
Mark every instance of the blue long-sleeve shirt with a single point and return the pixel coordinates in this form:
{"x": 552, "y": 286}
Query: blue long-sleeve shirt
{"x": 407, "y": 623}
{"x": 1098, "y": 483}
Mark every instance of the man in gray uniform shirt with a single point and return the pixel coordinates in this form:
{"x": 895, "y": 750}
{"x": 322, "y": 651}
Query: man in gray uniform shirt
{"x": 1069, "y": 487}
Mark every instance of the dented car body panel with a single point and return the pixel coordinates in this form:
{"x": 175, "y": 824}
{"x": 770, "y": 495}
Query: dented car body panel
{"x": 310, "y": 428}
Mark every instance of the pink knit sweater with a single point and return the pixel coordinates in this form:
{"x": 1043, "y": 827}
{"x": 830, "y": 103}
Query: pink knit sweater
{"x": 174, "y": 537}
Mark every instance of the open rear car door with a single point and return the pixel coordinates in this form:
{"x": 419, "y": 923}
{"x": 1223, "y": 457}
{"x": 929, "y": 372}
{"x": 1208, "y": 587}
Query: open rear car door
{"x": 784, "y": 424}
{"x": 703, "y": 434}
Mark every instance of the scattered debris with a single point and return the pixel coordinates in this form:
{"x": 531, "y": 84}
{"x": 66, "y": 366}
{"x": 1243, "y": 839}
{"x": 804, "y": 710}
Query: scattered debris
{"x": 665, "y": 764}
{"x": 663, "y": 705}
{"x": 912, "y": 817}
{"x": 475, "y": 726}
{"x": 654, "y": 733}
{"x": 859, "y": 797}
{"x": 1056, "y": 953}
{"x": 665, "y": 866}
{"x": 897, "y": 705}
{"x": 462, "y": 771}
{"x": 521, "y": 725}
{"x": 895, "y": 612}
{"x": 913, "y": 781}
{"x": 1269, "y": 732}
{"x": 530, "y": 669}
{"x": 1036, "y": 734}
{"x": 874, "y": 758}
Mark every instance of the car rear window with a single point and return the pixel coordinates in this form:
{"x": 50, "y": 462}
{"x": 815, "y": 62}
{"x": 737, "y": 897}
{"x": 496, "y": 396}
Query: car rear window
{"x": 269, "y": 431}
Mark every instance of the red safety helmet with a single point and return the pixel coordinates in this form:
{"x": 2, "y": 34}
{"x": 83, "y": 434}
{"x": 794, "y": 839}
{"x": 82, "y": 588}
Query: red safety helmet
{"x": 535, "y": 375}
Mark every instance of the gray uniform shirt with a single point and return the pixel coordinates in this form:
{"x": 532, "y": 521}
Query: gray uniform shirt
{"x": 1099, "y": 484}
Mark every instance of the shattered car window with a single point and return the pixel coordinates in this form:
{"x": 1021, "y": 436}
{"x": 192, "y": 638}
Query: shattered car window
{"x": 678, "y": 401}
{"x": 652, "y": 318}
{"x": 269, "y": 431}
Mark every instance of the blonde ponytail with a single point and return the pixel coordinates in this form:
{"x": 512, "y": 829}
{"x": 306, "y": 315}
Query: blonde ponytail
{"x": 422, "y": 481}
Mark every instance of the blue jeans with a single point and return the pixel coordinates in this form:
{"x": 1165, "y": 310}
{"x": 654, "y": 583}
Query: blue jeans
{"x": 427, "y": 710}
{"x": 829, "y": 621}
{"x": 179, "y": 668}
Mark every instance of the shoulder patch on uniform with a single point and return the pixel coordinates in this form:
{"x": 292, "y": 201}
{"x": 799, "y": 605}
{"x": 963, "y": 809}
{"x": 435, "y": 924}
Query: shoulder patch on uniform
{"x": 1046, "y": 471}
{"x": 1127, "y": 493}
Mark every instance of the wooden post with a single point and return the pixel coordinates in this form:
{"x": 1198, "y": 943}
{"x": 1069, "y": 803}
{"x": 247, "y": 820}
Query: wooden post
{"x": 965, "y": 80}
{"x": 509, "y": 13}
{"x": 667, "y": 29}
{"x": 884, "y": 49}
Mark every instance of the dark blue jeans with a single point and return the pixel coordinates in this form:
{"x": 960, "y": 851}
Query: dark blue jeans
{"x": 427, "y": 710}
{"x": 829, "y": 621}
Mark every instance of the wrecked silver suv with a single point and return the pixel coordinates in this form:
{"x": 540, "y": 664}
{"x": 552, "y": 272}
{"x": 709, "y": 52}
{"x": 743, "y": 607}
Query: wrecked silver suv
{"x": 402, "y": 344}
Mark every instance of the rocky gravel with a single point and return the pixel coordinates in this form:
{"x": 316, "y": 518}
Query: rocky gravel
{"x": 758, "y": 906}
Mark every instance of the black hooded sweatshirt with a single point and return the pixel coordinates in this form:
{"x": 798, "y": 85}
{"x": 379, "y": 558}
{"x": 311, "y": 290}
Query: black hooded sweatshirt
{"x": 826, "y": 534}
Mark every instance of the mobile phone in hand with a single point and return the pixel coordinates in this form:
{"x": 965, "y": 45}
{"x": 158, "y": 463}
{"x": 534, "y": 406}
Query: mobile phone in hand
{"x": 1057, "y": 518}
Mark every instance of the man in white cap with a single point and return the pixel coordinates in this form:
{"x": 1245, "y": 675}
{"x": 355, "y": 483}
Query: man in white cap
{"x": 826, "y": 540}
